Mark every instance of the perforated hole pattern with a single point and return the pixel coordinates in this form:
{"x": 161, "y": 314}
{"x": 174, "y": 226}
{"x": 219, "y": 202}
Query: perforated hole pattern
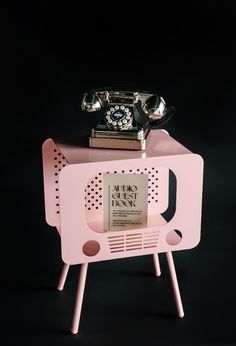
{"x": 59, "y": 162}
{"x": 93, "y": 201}
{"x": 94, "y": 189}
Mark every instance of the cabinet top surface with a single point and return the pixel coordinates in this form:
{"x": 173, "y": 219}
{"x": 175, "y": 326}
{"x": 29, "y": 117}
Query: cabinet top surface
{"x": 159, "y": 144}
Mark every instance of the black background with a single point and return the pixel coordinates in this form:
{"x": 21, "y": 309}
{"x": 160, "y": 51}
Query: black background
{"x": 54, "y": 53}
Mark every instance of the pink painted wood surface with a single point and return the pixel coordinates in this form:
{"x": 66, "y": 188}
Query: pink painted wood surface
{"x": 160, "y": 144}
{"x": 79, "y": 298}
{"x": 175, "y": 285}
{"x": 63, "y": 277}
{"x": 70, "y": 168}
{"x": 156, "y": 263}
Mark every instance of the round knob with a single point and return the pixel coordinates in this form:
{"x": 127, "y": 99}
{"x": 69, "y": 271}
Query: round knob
{"x": 91, "y": 103}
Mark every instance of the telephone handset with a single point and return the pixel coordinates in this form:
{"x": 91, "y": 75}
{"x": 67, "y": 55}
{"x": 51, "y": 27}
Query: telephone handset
{"x": 125, "y": 117}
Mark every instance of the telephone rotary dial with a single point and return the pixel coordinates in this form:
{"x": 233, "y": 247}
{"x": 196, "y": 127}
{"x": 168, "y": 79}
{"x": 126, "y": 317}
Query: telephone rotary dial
{"x": 125, "y": 117}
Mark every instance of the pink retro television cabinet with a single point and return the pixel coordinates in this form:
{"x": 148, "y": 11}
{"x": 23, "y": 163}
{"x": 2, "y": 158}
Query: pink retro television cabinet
{"x": 73, "y": 186}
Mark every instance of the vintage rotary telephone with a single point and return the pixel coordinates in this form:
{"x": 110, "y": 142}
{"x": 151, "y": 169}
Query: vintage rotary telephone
{"x": 125, "y": 117}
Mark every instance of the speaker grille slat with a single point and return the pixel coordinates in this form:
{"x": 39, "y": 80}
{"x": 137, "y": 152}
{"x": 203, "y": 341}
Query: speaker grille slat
{"x": 133, "y": 241}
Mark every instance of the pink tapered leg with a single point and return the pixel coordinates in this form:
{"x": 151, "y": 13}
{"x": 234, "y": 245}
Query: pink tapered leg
{"x": 63, "y": 276}
{"x": 156, "y": 264}
{"x": 79, "y": 298}
{"x": 175, "y": 285}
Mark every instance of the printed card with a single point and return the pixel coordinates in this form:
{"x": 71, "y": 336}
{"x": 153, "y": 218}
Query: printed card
{"x": 125, "y": 201}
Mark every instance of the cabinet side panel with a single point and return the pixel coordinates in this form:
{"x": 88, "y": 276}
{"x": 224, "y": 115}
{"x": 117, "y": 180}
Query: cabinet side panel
{"x": 53, "y": 162}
